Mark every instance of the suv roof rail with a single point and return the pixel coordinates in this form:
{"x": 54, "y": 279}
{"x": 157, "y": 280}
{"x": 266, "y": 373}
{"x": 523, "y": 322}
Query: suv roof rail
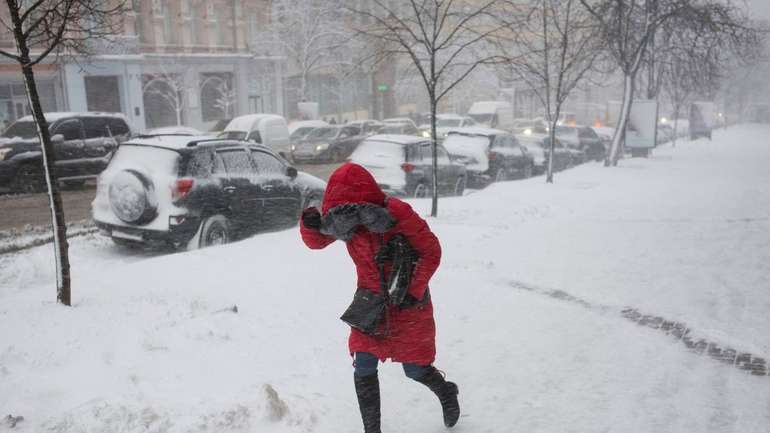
{"x": 206, "y": 140}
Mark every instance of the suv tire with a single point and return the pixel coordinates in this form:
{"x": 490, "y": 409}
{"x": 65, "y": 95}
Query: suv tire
{"x": 215, "y": 230}
{"x": 132, "y": 197}
{"x": 29, "y": 179}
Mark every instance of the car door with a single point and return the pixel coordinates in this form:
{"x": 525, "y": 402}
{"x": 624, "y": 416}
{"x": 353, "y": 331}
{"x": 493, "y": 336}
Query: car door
{"x": 98, "y": 144}
{"x": 244, "y": 197}
{"x": 445, "y": 173}
{"x": 520, "y": 157}
{"x": 282, "y": 196}
{"x": 69, "y": 151}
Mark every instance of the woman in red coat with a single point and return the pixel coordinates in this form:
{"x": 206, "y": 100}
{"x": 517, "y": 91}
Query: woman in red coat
{"x": 356, "y": 211}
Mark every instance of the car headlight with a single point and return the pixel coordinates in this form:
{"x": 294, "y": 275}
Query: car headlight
{"x": 322, "y": 146}
{"x": 527, "y": 131}
{"x": 426, "y": 134}
{"x": 4, "y": 153}
{"x": 293, "y": 147}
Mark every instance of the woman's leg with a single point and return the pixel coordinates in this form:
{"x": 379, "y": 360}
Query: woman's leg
{"x": 367, "y": 390}
{"x": 445, "y": 391}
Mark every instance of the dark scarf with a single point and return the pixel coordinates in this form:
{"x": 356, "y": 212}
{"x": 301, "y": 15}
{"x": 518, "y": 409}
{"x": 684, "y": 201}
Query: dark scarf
{"x": 341, "y": 222}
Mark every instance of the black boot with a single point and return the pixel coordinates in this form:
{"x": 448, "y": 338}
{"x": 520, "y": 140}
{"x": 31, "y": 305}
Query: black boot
{"x": 446, "y": 393}
{"x": 368, "y": 391}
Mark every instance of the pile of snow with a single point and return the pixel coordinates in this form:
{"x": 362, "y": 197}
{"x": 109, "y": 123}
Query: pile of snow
{"x": 153, "y": 344}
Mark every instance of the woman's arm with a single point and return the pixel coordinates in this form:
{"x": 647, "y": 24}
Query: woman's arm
{"x": 422, "y": 239}
{"x": 308, "y": 229}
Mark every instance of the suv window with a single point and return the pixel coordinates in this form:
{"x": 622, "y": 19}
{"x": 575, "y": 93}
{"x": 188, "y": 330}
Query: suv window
{"x": 254, "y": 136}
{"x": 118, "y": 126}
{"x": 587, "y": 133}
{"x": 201, "y": 164}
{"x": 237, "y": 162}
{"x": 70, "y": 129}
{"x": 267, "y": 164}
{"x": 95, "y": 127}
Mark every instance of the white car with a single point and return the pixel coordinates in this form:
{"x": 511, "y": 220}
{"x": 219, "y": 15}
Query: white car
{"x": 446, "y": 123}
{"x": 267, "y": 129}
{"x": 174, "y": 130}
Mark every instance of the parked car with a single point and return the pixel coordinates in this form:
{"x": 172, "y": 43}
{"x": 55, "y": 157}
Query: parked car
{"x": 398, "y": 129}
{"x": 587, "y": 145}
{"x": 329, "y": 144}
{"x": 403, "y": 165}
{"x": 299, "y": 130}
{"x": 490, "y": 155}
{"x": 186, "y": 192}
{"x": 83, "y": 144}
{"x": 267, "y": 129}
{"x": 174, "y": 130}
{"x": 523, "y": 126}
{"x": 538, "y": 145}
{"x": 368, "y": 127}
{"x": 446, "y": 123}
{"x": 492, "y": 114}
{"x": 399, "y": 120}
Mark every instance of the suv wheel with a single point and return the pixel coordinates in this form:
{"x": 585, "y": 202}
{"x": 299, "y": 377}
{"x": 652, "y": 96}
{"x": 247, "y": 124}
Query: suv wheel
{"x": 420, "y": 191}
{"x": 460, "y": 186}
{"x": 528, "y": 171}
{"x": 501, "y": 175}
{"x": 29, "y": 179}
{"x": 215, "y": 230}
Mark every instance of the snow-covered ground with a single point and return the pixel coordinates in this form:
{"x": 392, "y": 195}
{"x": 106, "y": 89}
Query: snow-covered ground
{"x": 152, "y": 345}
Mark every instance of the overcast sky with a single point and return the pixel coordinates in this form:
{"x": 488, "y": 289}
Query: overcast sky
{"x": 759, "y": 8}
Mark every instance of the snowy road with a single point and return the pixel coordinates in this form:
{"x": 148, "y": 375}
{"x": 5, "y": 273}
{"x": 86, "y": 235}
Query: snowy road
{"x": 149, "y": 346}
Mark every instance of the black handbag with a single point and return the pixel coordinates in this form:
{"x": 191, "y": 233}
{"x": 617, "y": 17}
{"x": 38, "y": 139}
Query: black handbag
{"x": 366, "y": 312}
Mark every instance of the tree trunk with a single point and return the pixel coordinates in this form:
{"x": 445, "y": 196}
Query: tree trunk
{"x": 552, "y": 149}
{"x": 434, "y": 151}
{"x": 625, "y": 111}
{"x": 61, "y": 246}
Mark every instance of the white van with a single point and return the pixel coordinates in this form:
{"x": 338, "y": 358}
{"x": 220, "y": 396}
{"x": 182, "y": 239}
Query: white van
{"x": 267, "y": 129}
{"x": 493, "y": 114}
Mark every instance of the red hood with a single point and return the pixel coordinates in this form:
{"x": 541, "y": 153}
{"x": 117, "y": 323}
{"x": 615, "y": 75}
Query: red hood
{"x": 351, "y": 183}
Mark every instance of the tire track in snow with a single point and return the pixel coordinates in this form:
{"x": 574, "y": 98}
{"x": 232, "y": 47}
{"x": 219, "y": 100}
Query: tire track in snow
{"x": 745, "y": 361}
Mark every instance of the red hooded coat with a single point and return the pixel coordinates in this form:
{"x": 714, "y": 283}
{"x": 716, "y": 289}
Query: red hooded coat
{"x": 412, "y": 332}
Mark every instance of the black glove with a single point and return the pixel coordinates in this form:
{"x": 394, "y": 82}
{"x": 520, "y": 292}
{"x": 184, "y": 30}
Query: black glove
{"x": 311, "y": 218}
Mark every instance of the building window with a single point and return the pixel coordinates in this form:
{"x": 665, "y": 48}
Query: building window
{"x": 217, "y": 96}
{"x": 103, "y": 94}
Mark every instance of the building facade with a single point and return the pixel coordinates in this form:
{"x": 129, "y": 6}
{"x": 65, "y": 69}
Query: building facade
{"x": 178, "y": 62}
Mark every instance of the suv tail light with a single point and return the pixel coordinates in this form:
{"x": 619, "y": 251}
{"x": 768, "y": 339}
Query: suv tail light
{"x": 407, "y": 167}
{"x": 181, "y": 188}
{"x": 492, "y": 156}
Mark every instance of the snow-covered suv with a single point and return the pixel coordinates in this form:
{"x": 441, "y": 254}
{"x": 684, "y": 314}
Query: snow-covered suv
{"x": 189, "y": 192}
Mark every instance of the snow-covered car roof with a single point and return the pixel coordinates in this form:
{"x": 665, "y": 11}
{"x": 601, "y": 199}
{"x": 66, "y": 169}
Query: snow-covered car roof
{"x": 398, "y": 120}
{"x": 483, "y": 107}
{"x": 249, "y": 122}
{"x": 450, "y": 116}
{"x": 397, "y": 138}
{"x": 477, "y": 130}
{"x": 170, "y": 130}
{"x": 58, "y": 115}
{"x": 293, "y": 126}
{"x": 175, "y": 142}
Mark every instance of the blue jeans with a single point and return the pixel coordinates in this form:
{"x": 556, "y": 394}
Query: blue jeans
{"x": 366, "y": 364}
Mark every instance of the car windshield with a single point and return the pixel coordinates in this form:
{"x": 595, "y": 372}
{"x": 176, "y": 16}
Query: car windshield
{"x": 378, "y": 153}
{"x": 447, "y": 122}
{"x": 25, "y": 130}
{"x": 565, "y": 130}
{"x": 482, "y": 117}
{"x": 301, "y": 132}
{"x": 233, "y": 135}
{"x": 323, "y": 133}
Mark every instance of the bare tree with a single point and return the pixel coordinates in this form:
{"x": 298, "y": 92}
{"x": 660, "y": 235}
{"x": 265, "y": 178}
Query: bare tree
{"x": 444, "y": 40}
{"x": 309, "y": 32}
{"x": 552, "y": 49}
{"x": 44, "y": 28}
{"x": 628, "y": 27}
{"x": 169, "y": 87}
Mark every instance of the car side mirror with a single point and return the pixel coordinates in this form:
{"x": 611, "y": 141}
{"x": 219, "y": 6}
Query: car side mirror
{"x": 57, "y": 138}
{"x": 291, "y": 172}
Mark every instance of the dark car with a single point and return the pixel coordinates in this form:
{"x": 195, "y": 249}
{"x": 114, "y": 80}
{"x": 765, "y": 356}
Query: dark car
{"x": 327, "y": 144}
{"x": 403, "y": 165}
{"x": 186, "y": 193}
{"x": 368, "y": 127}
{"x": 399, "y": 129}
{"x": 490, "y": 155}
{"x": 583, "y": 139}
{"x": 83, "y": 144}
{"x": 538, "y": 146}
